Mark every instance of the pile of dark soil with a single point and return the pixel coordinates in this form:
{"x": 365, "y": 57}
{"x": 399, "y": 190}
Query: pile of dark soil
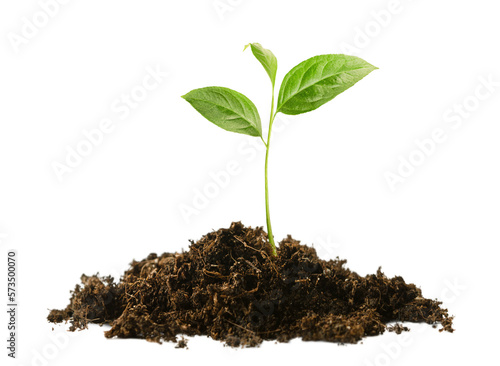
{"x": 228, "y": 287}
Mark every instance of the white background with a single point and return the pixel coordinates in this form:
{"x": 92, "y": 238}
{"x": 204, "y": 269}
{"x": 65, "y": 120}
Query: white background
{"x": 328, "y": 187}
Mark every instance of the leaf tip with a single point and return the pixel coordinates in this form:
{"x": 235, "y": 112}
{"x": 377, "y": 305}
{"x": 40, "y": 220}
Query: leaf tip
{"x": 186, "y": 96}
{"x": 372, "y": 66}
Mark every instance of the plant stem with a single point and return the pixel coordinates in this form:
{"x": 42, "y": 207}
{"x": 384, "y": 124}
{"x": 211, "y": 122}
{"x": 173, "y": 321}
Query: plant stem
{"x": 268, "y": 216}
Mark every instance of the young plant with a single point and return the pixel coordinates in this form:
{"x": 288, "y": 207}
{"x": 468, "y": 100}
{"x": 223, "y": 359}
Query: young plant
{"x": 306, "y": 87}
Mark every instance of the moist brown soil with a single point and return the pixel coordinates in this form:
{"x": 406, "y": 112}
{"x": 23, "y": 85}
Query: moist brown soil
{"x": 227, "y": 286}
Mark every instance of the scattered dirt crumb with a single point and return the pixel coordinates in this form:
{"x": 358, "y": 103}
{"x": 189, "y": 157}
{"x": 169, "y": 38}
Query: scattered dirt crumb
{"x": 398, "y": 328}
{"x": 182, "y": 343}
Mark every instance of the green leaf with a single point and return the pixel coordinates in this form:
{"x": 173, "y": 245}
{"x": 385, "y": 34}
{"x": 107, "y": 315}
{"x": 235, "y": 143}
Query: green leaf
{"x": 318, "y": 80}
{"x": 266, "y": 58}
{"x": 227, "y": 109}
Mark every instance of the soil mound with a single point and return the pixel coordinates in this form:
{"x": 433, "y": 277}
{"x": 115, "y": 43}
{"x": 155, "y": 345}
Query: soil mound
{"x": 228, "y": 287}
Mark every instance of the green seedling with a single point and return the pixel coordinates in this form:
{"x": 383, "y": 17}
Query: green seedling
{"x": 305, "y": 88}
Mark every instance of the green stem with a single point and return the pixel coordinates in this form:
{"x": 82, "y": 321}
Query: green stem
{"x": 268, "y": 216}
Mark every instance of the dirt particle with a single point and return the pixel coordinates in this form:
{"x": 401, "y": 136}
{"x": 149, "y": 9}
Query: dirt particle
{"x": 398, "y": 328}
{"x": 182, "y": 343}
